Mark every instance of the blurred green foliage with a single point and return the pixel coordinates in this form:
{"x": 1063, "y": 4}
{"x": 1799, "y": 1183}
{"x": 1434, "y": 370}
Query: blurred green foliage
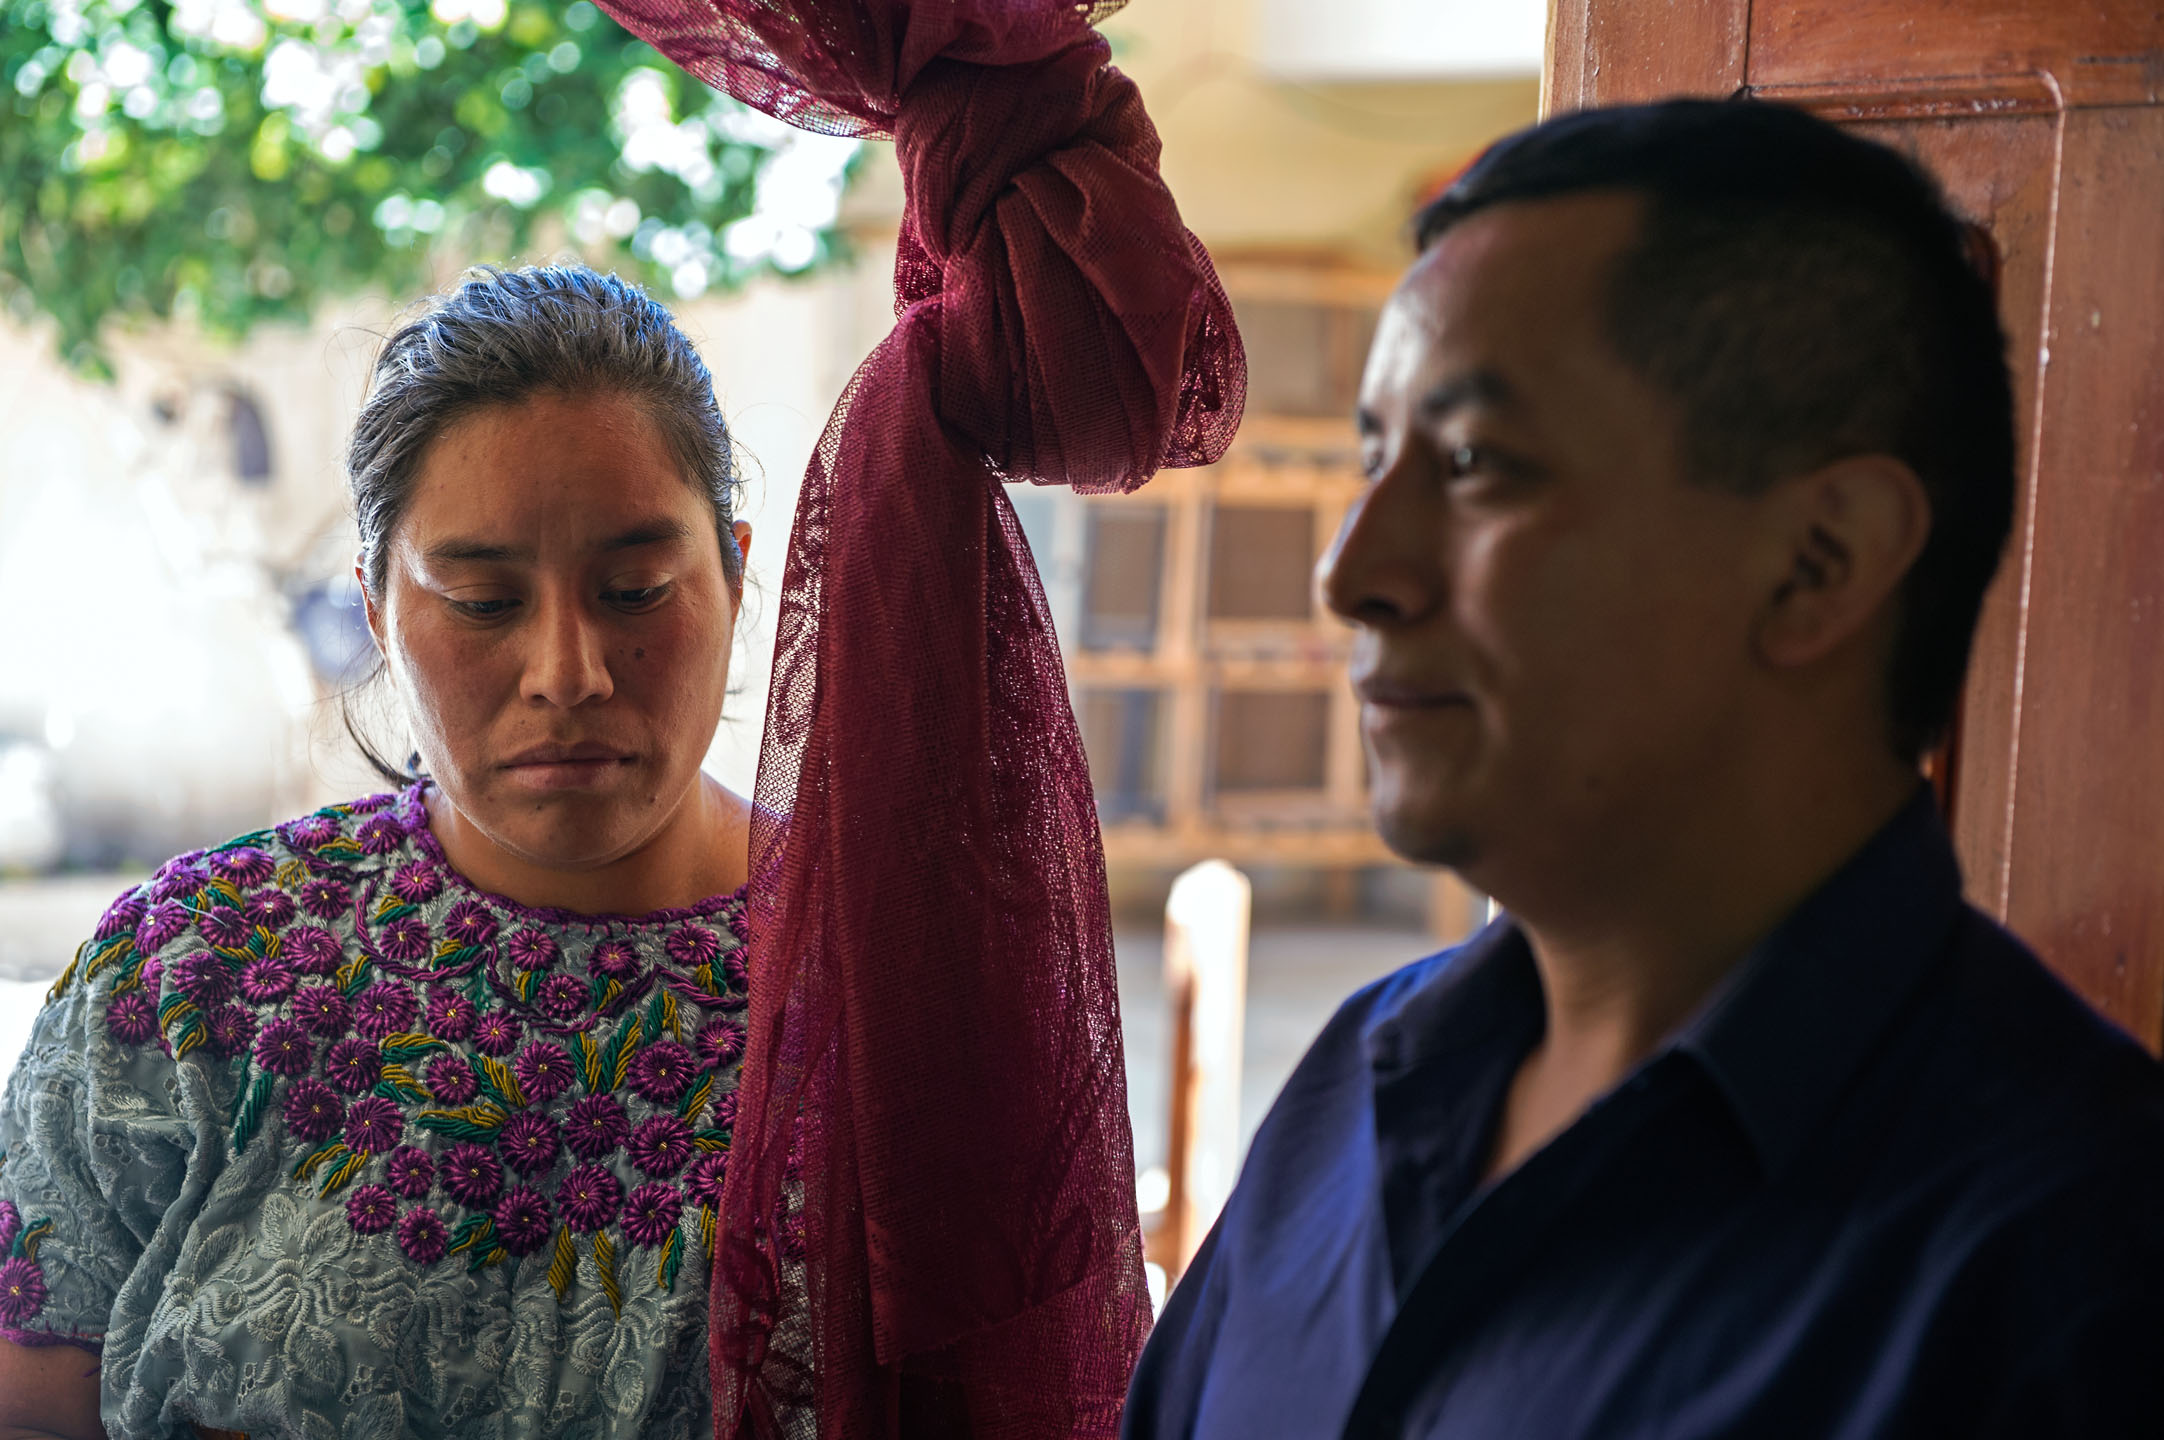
{"x": 232, "y": 162}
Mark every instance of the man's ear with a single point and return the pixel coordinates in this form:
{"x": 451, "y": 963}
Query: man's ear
{"x": 1847, "y": 533}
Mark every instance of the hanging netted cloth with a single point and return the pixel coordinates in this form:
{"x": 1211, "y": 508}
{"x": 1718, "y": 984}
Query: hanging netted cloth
{"x": 928, "y": 1226}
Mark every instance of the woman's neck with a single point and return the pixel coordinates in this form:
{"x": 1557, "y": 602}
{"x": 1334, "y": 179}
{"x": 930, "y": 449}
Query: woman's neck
{"x": 702, "y": 850}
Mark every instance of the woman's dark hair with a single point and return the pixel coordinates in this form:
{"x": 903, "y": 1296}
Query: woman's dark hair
{"x": 1806, "y": 294}
{"x": 499, "y": 338}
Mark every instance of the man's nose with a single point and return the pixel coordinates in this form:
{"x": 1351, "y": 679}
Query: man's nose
{"x": 1383, "y": 566}
{"x": 567, "y": 663}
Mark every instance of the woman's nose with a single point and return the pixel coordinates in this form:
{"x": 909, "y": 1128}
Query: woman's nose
{"x": 567, "y": 663}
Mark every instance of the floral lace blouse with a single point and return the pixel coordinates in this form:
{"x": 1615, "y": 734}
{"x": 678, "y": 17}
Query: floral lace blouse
{"x": 314, "y": 1139}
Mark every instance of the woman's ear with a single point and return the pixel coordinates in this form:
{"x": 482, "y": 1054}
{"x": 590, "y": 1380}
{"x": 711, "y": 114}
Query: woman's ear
{"x": 741, "y": 533}
{"x": 368, "y": 605}
{"x": 1849, "y": 531}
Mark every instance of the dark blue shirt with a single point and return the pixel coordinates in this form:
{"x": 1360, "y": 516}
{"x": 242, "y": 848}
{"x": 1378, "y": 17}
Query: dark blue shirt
{"x": 1893, "y": 1179}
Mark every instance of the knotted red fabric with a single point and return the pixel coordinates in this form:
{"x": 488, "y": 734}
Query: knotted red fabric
{"x": 928, "y": 1226}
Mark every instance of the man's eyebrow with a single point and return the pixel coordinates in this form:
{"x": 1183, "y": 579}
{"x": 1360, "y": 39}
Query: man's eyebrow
{"x": 1475, "y": 387}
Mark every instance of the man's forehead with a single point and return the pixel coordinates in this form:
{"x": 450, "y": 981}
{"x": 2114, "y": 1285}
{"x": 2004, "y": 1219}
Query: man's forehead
{"x": 1509, "y": 278}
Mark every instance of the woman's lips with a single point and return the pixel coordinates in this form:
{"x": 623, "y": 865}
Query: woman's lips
{"x": 566, "y": 767}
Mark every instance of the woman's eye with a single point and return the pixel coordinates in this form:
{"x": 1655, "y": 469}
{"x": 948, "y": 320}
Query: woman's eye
{"x": 483, "y": 609}
{"x": 638, "y": 598}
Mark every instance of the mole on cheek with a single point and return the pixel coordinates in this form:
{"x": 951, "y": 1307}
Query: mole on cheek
{"x": 638, "y": 654}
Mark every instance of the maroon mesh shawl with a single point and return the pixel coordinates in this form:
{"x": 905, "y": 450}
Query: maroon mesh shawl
{"x": 932, "y": 1120}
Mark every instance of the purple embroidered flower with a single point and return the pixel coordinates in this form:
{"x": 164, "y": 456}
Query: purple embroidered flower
{"x": 283, "y": 1048}
{"x": 561, "y": 997}
{"x": 470, "y": 1174}
{"x": 371, "y": 1209}
{"x": 231, "y": 1028}
{"x": 496, "y": 1034}
{"x": 589, "y": 1197}
{"x": 271, "y": 909}
{"x": 325, "y": 898}
{"x": 311, "y": 950}
{"x": 405, "y": 938}
{"x": 613, "y": 960}
{"x": 384, "y": 1008}
{"x": 692, "y": 947}
{"x": 373, "y": 1123}
{"x": 450, "y": 1015}
{"x": 265, "y": 981}
{"x": 736, "y": 968}
{"x": 223, "y": 926}
{"x": 416, "y": 882}
{"x": 311, "y": 1110}
{"x": 123, "y": 915}
{"x": 244, "y": 865}
{"x": 650, "y": 1213}
{"x": 662, "y": 1071}
{"x": 522, "y": 1220}
{"x": 353, "y": 1065}
{"x": 725, "y": 1112}
{"x": 152, "y": 972}
{"x": 703, "y": 1183}
{"x": 720, "y": 1044}
{"x": 543, "y": 1071}
{"x": 533, "y": 950}
{"x": 203, "y": 978}
{"x": 528, "y": 1142}
{"x": 130, "y": 1018}
{"x": 370, "y": 804}
{"x": 160, "y": 925}
{"x": 178, "y": 878}
{"x": 22, "y": 1291}
{"x": 409, "y": 1172}
{"x": 381, "y": 835}
{"x": 308, "y": 832}
{"x": 422, "y": 1236}
{"x": 469, "y": 923}
{"x": 661, "y": 1145}
{"x": 11, "y": 1221}
{"x": 451, "y": 1080}
{"x": 321, "y": 1008}
{"x": 595, "y": 1126}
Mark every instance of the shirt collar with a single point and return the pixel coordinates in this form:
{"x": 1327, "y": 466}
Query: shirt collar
{"x": 1783, "y": 1034}
{"x": 1779, "y": 1037}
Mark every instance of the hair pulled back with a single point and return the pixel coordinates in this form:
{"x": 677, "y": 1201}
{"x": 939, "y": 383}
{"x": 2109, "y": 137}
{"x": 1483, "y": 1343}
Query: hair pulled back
{"x": 503, "y": 336}
{"x": 500, "y": 338}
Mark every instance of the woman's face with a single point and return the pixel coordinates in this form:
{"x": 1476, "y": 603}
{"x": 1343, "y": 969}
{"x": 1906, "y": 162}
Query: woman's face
{"x": 557, "y": 620}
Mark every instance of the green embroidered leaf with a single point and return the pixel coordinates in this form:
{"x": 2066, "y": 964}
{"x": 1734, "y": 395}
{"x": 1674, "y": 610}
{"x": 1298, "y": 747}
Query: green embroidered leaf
{"x": 106, "y": 953}
{"x": 173, "y": 1007}
{"x": 390, "y": 908}
{"x": 248, "y": 1114}
{"x": 60, "y": 986}
{"x": 306, "y": 1170}
{"x": 671, "y": 1015}
{"x": 672, "y": 1255}
{"x": 396, "y": 1082}
{"x": 450, "y": 953}
{"x": 292, "y": 874}
{"x": 26, "y": 1244}
{"x": 220, "y": 888}
{"x": 342, "y": 845}
{"x": 499, "y": 1081}
{"x": 694, "y": 1101}
{"x": 654, "y": 1016}
{"x": 604, "y": 993}
{"x": 352, "y": 976}
{"x": 605, "y": 1262}
{"x": 621, "y": 1049}
{"x": 347, "y": 1169}
{"x": 495, "y": 1256}
{"x": 405, "y": 1045}
{"x": 476, "y": 1229}
{"x": 191, "y": 1035}
{"x": 711, "y": 1139}
{"x": 589, "y": 1057}
{"x": 479, "y": 1121}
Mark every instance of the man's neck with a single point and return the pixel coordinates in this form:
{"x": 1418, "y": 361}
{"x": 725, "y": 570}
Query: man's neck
{"x": 1621, "y": 976}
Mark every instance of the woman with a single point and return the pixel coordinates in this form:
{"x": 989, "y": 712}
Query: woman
{"x": 409, "y": 1117}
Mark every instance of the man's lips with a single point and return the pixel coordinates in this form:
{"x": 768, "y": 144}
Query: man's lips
{"x": 1391, "y": 694}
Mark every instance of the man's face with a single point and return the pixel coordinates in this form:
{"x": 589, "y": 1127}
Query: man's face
{"x": 1553, "y": 624}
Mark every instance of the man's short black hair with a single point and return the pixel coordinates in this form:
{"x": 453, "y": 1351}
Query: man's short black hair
{"x": 1806, "y": 294}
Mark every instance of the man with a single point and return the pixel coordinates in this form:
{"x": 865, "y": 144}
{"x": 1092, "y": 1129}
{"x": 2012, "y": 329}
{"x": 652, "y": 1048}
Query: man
{"x": 1690, "y": 448}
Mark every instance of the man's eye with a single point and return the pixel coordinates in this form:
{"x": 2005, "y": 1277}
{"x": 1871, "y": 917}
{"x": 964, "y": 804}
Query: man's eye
{"x": 1468, "y": 460}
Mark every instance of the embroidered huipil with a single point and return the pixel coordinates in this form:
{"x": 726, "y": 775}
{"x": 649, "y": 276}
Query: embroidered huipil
{"x": 314, "y": 1139}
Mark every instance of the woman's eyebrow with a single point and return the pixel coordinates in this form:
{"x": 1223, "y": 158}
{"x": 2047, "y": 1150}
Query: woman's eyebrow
{"x": 649, "y": 532}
